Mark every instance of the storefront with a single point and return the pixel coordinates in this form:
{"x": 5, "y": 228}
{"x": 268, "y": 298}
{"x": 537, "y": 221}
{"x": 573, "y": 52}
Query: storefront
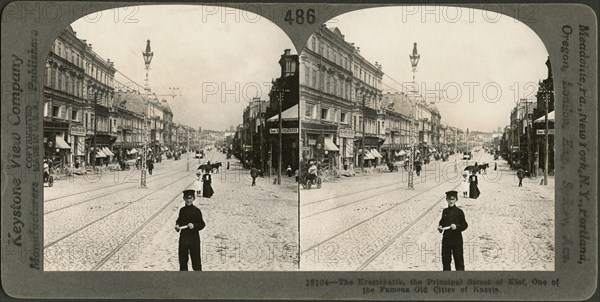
{"x": 346, "y": 143}
{"x": 369, "y": 143}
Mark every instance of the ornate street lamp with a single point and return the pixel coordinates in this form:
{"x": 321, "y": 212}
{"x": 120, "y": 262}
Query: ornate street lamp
{"x": 148, "y": 54}
{"x": 414, "y": 60}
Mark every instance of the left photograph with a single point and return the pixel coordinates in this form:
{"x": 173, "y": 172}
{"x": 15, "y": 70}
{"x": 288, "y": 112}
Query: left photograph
{"x": 170, "y": 141}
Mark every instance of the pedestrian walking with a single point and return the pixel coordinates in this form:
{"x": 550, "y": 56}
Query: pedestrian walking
{"x": 289, "y": 171}
{"x": 495, "y": 166}
{"x": 207, "y": 190}
{"x": 227, "y": 165}
{"x": 418, "y": 168}
{"x": 465, "y": 185}
{"x": 520, "y": 175}
{"x": 150, "y": 165}
{"x": 254, "y": 175}
{"x": 188, "y": 224}
{"x": 452, "y": 224}
{"x": 198, "y": 184}
{"x": 473, "y": 188}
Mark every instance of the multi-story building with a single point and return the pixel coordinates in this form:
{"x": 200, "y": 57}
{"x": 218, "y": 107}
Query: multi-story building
{"x": 336, "y": 82}
{"x": 254, "y": 129}
{"x": 545, "y": 103}
{"x": 80, "y": 123}
{"x": 284, "y": 97}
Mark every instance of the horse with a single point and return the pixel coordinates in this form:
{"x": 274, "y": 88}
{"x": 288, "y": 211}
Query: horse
{"x": 215, "y": 167}
{"x": 472, "y": 168}
{"x": 483, "y": 167}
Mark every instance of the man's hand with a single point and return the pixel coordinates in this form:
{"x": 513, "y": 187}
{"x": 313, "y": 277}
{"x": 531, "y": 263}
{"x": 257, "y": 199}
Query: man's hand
{"x": 439, "y": 228}
{"x": 177, "y": 227}
{"x": 190, "y": 226}
{"x": 453, "y": 226}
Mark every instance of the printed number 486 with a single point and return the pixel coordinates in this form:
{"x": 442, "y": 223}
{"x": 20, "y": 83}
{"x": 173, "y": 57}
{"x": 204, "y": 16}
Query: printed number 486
{"x": 300, "y": 16}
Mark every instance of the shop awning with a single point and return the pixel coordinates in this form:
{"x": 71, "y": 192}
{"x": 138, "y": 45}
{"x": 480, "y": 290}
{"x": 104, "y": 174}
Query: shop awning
{"x": 368, "y": 155}
{"x": 291, "y": 114}
{"x": 541, "y": 119}
{"x": 329, "y": 145}
{"x": 107, "y": 151}
{"x": 100, "y": 154}
{"x": 376, "y": 153}
{"x": 61, "y": 144}
{"x": 132, "y": 151}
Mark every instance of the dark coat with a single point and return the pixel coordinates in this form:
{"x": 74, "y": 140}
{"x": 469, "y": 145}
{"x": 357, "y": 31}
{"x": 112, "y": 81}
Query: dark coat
{"x": 453, "y": 215}
{"x": 207, "y": 190}
{"x": 520, "y": 173}
{"x": 253, "y": 173}
{"x": 190, "y": 214}
{"x": 473, "y": 189}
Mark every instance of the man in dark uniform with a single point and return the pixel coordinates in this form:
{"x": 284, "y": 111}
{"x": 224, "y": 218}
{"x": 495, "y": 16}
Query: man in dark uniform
{"x": 452, "y": 224}
{"x": 188, "y": 224}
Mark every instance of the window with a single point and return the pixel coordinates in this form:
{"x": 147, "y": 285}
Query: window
{"x": 309, "y": 110}
{"x": 324, "y": 114}
{"x": 314, "y": 78}
{"x": 343, "y": 117}
{"x": 307, "y": 76}
{"x": 55, "y": 111}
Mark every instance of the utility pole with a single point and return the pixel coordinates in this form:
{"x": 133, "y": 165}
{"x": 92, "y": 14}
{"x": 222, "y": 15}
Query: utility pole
{"x": 279, "y": 164}
{"x": 546, "y": 138}
{"x": 362, "y": 141}
{"x": 95, "y": 130}
{"x": 262, "y": 164}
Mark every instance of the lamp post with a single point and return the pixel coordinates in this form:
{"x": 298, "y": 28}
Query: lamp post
{"x": 148, "y": 54}
{"x": 414, "y": 61}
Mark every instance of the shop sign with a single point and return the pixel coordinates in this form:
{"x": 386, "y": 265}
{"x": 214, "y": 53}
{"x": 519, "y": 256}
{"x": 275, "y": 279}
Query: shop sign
{"x": 346, "y": 132}
{"x": 283, "y": 130}
{"x": 305, "y": 148}
{"x": 312, "y": 142}
{"x": 543, "y": 131}
{"x": 77, "y": 131}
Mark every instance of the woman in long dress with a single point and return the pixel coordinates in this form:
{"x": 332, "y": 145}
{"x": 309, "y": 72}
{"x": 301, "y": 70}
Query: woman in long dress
{"x": 465, "y": 185}
{"x": 473, "y": 189}
{"x": 198, "y": 183}
{"x": 207, "y": 190}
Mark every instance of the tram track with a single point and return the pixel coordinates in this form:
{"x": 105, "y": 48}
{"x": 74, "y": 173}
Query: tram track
{"x": 411, "y": 224}
{"x": 47, "y": 245}
{"x": 102, "y": 196}
{"x": 128, "y": 238}
{"x": 99, "y": 188}
{"x": 400, "y": 233}
{"x": 371, "y": 218}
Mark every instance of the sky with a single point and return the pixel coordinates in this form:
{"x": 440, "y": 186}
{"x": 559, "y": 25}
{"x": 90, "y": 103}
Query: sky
{"x": 218, "y": 59}
{"x": 485, "y": 61}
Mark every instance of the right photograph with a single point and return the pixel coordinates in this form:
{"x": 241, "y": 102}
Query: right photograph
{"x": 426, "y": 143}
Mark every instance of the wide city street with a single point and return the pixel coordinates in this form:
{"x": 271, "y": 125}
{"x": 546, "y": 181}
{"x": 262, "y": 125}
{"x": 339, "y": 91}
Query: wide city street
{"x": 106, "y": 222}
{"x": 372, "y": 222}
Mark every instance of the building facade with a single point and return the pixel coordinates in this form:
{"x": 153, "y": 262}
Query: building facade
{"x": 339, "y": 92}
{"x": 80, "y": 123}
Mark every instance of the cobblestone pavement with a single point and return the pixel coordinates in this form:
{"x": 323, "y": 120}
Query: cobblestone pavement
{"x": 248, "y": 228}
{"x": 510, "y": 228}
